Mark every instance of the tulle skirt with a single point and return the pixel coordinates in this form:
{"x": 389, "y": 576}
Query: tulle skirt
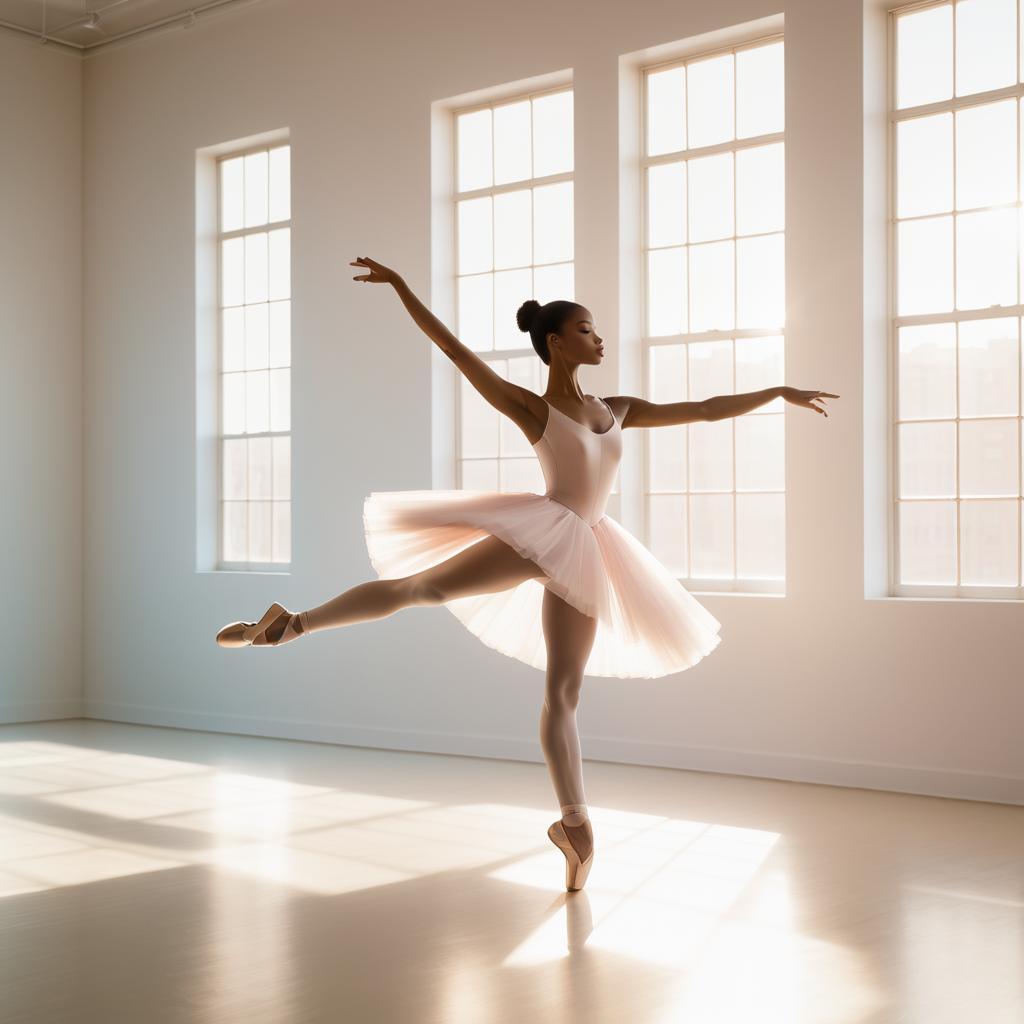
{"x": 648, "y": 624}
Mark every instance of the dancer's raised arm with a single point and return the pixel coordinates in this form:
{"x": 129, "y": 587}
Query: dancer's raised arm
{"x": 505, "y": 396}
{"x": 641, "y": 413}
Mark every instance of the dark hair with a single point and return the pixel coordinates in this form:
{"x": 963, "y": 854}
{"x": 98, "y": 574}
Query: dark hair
{"x": 542, "y": 320}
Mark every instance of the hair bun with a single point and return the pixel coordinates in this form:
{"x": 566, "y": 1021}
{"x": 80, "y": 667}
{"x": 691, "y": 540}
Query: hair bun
{"x": 527, "y": 314}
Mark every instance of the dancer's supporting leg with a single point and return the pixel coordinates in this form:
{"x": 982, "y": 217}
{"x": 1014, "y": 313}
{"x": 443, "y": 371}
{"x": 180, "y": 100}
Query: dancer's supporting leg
{"x": 485, "y": 567}
{"x": 569, "y": 635}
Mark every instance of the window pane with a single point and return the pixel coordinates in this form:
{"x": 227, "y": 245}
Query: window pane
{"x": 709, "y": 101}
{"x": 280, "y": 399}
{"x": 986, "y": 45}
{"x": 257, "y": 337}
{"x": 710, "y": 370}
{"x": 232, "y": 272}
{"x": 260, "y": 478}
{"x": 282, "y": 449}
{"x": 924, "y": 41}
{"x": 280, "y": 285}
{"x": 231, "y": 194}
{"x": 233, "y": 403}
{"x": 233, "y": 339}
{"x": 257, "y": 401}
{"x": 666, "y": 377}
{"x": 476, "y": 312}
{"x": 760, "y": 453}
{"x": 927, "y": 388}
{"x": 479, "y": 422}
{"x": 473, "y": 133}
{"x": 666, "y": 204}
{"x": 235, "y": 469}
{"x": 710, "y": 455}
{"x": 924, "y": 156}
{"x": 927, "y": 460}
{"x": 260, "y": 531}
{"x": 666, "y": 292}
{"x": 667, "y": 450}
{"x": 480, "y": 475}
{"x": 926, "y": 266}
{"x": 280, "y": 183}
{"x": 553, "y": 223}
{"x": 475, "y": 240}
{"x": 986, "y": 155}
{"x": 988, "y": 458}
{"x": 760, "y": 282}
{"x": 711, "y": 197}
{"x": 518, "y": 475}
{"x": 927, "y": 542}
{"x": 280, "y": 333}
{"x": 552, "y": 133}
{"x": 759, "y": 364}
{"x": 989, "y": 535}
{"x": 256, "y": 189}
{"x": 666, "y": 111}
{"x": 282, "y": 531}
{"x": 986, "y": 259}
{"x": 761, "y": 536}
{"x": 988, "y": 368}
{"x": 554, "y": 282}
{"x": 512, "y": 240}
{"x": 511, "y": 289}
{"x": 256, "y": 268}
{"x": 712, "y": 286}
{"x": 760, "y": 106}
{"x": 760, "y": 189}
{"x": 234, "y": 539}
{"x": 711, "y": 516}
{"x": 512, "y": 150}
{"x": 666, "y": 526}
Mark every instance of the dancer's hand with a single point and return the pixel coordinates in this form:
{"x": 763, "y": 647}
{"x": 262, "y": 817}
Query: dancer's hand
{"x": 378, "y": 273}
{"x": 807, "y": 398}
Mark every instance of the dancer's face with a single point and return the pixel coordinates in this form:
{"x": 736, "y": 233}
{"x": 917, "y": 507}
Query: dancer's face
{"x": 578, "y": 341}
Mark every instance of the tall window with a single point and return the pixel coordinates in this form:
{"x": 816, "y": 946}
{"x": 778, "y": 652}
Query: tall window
{"x": 254, "y": 246}
{"x": 956, "y": 114}
{"x": 514, "y": 237}
{"x": 714, "y": 200}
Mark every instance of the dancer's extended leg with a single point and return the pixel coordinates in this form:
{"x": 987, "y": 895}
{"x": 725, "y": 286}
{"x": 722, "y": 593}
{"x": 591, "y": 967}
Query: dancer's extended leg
{"x": 569, "y": 636}
{"x": 485, "y": 567}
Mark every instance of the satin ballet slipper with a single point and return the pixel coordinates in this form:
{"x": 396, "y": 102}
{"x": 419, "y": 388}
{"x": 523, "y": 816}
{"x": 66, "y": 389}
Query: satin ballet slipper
{"x": 253, "y": 634}
{"x": 576, "y": 870}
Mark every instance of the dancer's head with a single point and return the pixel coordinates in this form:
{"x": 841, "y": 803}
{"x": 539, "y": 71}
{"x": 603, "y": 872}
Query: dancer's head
{"x": 561, "y": 329}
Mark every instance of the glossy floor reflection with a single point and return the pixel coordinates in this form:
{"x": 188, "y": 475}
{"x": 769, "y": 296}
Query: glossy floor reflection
{"x": 161, "y": 875}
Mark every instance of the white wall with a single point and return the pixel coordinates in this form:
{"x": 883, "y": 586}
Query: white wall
{"x": 40, "y": 382}
{"x": 821, "y": 685}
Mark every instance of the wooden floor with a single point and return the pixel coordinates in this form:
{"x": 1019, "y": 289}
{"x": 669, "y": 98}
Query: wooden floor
{"x": 159, "y": 875}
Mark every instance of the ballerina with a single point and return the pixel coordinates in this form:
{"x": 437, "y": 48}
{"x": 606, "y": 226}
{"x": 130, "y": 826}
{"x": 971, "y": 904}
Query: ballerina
{"x": 549, "y": 579}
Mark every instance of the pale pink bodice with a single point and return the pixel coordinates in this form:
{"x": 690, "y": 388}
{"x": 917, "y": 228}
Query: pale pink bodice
{"x": 579, "y": 465}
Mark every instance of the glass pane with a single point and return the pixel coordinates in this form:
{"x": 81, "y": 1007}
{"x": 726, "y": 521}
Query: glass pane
{"x": 280, "y": 286}
{"x": 666, "y": 376}
{"x": 988, "y": 458}
{"x": 553, "y": 223}
{"x": 479, "y": 422}
{"x": 986, "y": 259}
{"x": 256, "y": 189}
{"x": 511, "y": 289}
{"x": 280, "y": 399}
{"x": 280, "y": 333}
{"x": 257, "y": 401}
{"x": 760, "y": 453}
{"x": 257, "y": 340}
{"x": 476, "y": 312}
{"x": 759, "y": 365}
{"x": 710, "y": 455}
{"x": 260, "y": 478}
{"x": 554, "y": 282}
{"x": 666, "y": 292}
{"x": 986, "y": 45}
{"x": 988, "y": 531}
{"x": 233, "y": 339}
{"x": 666, "y": 111}
{"x": 709, "y": 101}
{"x": 760, "y": 282}
{"x": 666, "y": 204}
{"x": 280, "y": 183}
{"x": 760, "y": 96}
{"x": 480, "y": 475}
{"x": 260, "y": 531}
{"x": 927, "y": 542}
{"x": 988, "y": 367}
{"x": 256, "y": 268}
{"x": 282, "y": 531}
{"x": 986, "y": 155}
{"x": 712, "y": 286}
{"x": 711, "y": 197}
{"x": 552, "y": 133}
{"x": 512, "y": 240}
{"x": 233, "y": 403}
{"x": 927, "y": 379}
{"x": 282, "y": 449}
{"x": 927, "y": 460}
{"x": 924, "y": 41}
{"x": 473, "y": 141}
{"x": 711, "y": 516}
{"x": 234, "y": 539}
{"x": 926, "y": 266}
{"x": 761, "y": 536}
{"x": 475, "y": 238}
{"x": 711, "y": 370}
{"x": 924, "y": 155}
{"x": 667, "y": 452}
{"x": 666, "y": 530}
{"x": 232, "y": 272}
{"x": 512, "y": 151}
{"x": 519, "y": 475}
{"x": 760, "y": 189}
{"x": 231, "y": 194}
{"x": 235, "y": 469}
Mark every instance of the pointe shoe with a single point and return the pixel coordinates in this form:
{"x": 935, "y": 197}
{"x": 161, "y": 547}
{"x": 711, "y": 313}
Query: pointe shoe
{"x": 576, "y": 871}
{"x": 253, "y": 634}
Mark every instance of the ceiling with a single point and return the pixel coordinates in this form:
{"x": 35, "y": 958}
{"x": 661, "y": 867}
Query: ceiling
{"x": 65, "y": 26}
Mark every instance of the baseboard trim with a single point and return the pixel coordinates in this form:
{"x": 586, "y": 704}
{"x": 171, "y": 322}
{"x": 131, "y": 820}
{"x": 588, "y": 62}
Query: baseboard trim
{"x": 40, "y": 711}
{"x": 895, "y": 778}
